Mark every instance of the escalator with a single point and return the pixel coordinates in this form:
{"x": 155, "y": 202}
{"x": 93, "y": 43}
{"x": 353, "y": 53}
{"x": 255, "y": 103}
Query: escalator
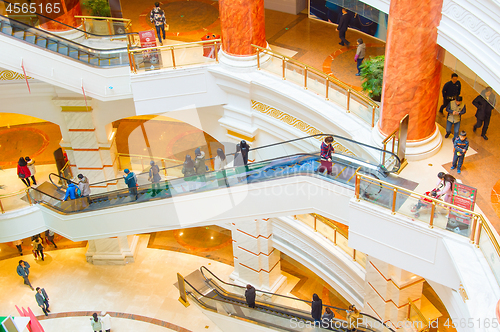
{"x": 277, "y": 161}
{"x": 29, "y": 31}
{"x": 271, "y": 310}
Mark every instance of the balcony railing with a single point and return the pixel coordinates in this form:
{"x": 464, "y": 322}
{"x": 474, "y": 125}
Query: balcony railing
{"x": 433, "y": 212}
{"x": 320, "y": 83}
{"x": 15, "y": 201}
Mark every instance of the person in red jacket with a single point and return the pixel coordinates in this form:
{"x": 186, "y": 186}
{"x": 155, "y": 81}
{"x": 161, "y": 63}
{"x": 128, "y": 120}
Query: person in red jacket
{"x": 23, "y": 171}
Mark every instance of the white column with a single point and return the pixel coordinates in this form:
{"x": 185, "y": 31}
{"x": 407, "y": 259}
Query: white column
{"x": 89, "y": 155}
{"x": 119, "y": 250}
{"x": 388, "y": 289}
{"x": 256, "y": 261}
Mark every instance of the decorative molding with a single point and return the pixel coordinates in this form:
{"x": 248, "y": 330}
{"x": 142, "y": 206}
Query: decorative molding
{"x": 473, "y": 22}
{"x": 9, "y": 75}
{"x": 296, "y": 123}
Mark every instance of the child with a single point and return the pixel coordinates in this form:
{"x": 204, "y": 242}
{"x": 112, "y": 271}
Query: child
{"x": 461, "y": 145}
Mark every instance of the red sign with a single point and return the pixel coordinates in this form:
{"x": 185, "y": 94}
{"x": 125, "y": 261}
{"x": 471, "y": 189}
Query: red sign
{"x": 464, "y": 196}
{"x": 147, "y": 38}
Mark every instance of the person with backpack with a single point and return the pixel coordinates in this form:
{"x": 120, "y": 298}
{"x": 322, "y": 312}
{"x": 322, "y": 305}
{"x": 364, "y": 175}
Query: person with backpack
{"x": 72, "y": 192}
{"x": 154, "y": 178}
{"x": 157, "y": 17}
{"x": 131, "y": 181}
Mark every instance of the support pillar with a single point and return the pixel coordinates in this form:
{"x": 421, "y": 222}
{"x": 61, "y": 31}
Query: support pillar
{"x": 256, "y": 261}
{"x": 388, "y": 289}
{"x": 412, "y": 74}
{"x": 88, "y": 152}
{"x": 119, "y": 250}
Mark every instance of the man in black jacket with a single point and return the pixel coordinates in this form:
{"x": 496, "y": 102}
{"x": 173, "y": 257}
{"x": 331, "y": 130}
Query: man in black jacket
{"x": 451, "y": 90}
{"x": 250, "y": 296}
{"x": 343, "y": 26}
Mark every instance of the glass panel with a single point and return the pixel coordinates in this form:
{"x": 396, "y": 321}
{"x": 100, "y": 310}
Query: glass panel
{"x": 489, "y": 252}
{"x": 294, "y": 73}
{"x": 325, "y": 230}
{"x": 316, "y": 83}
{"x": 453, "y": 220}
{"x": 274, "y": 65}
{"x": 414, "y": 206}
{"x": 361, "y": 258}
{"x": 375, "y": 192}
{"x": 337, "y": 94}
{"x": 342, "y": 242}
{"x": 14, "y": 201}
{"x": 360, "y": 107}
{"x": 192, "y": 55}
{"x": 306, "y": 219}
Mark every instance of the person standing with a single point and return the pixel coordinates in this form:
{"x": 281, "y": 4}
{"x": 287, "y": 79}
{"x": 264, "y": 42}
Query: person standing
{"x": 23, "y": 171}
{"x": 316, "y": 309}
{"x": 84, "y": 185}
{"x": 157, "y": 17}
{"x": 327, "y": 151}
{"x": 360, "y": 55}
{"x": 250, "y": 296}
{"x": 49, "y": 235}
{"x": 353, "y": 315}
{"x": 31, "y": 167}
{"x": 131, "y": 182}
{"x": 19, "y": 246}
{"x": 484, "y": 103}
{"x": 95, "y": 322}
{"x": 220, "y": 162}
{"x": 460, "y": 147}
{"x": 326, "y": 320}
{"x": 23, "y": 270}
{"x": 188, "y": 167}
{"x": 42, "y": 300}
{"x": 451, "y": 90}
{"x": 38, "y": 246}
{"x": 72, "y": 192}
{"x": 455, "y": 111}
{"x": 154, "y": 178}
{"x": 343, "y": 26}
{"x": 199, "y": 162}
{"x": 106, "y": 321}
{"x": 245, "y": 150}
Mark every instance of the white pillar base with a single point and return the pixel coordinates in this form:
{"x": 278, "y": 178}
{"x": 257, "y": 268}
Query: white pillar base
{"x": 242, "y": 63}
{"x": 112, "y": 251}
{"x": 414, "y": 150}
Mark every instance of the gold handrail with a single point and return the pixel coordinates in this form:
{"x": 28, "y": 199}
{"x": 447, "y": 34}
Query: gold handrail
{"x": 174, "y": 46}
{"x": 419, "y": 313}
{"x": 105, "y": 18}
{"x": 390, "y": 136}
{"x": 475, "y": 231}
{"x": 332, "y": 225}
{"x": 15, "y": 193}
{"x": 319, "y": 73}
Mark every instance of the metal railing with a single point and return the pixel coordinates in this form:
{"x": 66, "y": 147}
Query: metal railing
{"x": 334, "y": 233}
{"x": 322, "y": 84}
{"x": 434, "y": 212}
{"x": 174, "y": 56}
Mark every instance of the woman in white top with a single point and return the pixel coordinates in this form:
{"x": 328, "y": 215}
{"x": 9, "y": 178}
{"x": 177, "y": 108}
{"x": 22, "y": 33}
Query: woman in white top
{"x": 444, "y": 186}
{"x": 220, "y": 162}
{"x": 31, "y": 167}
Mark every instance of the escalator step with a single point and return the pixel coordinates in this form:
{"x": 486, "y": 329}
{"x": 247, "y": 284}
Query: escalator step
{"x": 62, "y": 49}
{"x": 52, "y": 46}
{"x": 7, "y": 30}
{"x": 30, "y": 38}
{"x": 19, "y": 34}
{"x": 41, "y": 42}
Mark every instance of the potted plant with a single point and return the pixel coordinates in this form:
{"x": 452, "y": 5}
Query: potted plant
{"x": 372, "y": 71}
{"x": 99, "y": 8}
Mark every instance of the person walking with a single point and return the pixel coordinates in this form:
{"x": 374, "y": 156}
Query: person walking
{"x": 451, "y": 90}
{"x": 316, "y": 309}
{"x": 455, "y": 110}
{"x": 220, "y": 163}
{"x": 95, "y": 322}
{"x": 199, "y": 162}
{"x": 327, "y": 151}
{"x": 154, "y": 178}
{"x": 38, "y": 246}
{"x": 484, "y": 103}
{"x": 33, "y": 250}
{"x": 19, "y": 246}
{"x": 250, "y": 296}
{"x": 42, "y": 300}
{"x": 360, "y": 55}
{"x": 23, "y": 270}
{"x": 49, "y": 235}
{"x": 343, "y": 26}
{"x": 31, "y": 167}
{"x": 23, "y": 171}
{"x": 157, "y": 17}
{"x": 460, "y": 147}
{"x": 131, "y": 181}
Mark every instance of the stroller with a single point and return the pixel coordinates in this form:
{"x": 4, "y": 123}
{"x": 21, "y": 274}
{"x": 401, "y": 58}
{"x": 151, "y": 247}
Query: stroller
{"x": 425, "y": 203}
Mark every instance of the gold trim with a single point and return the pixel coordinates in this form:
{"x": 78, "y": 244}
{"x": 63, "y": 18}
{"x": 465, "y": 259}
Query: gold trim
{"x": 76, "y": 109}
{"x": 9, "y": 75}
{"x": 246, "y": 138}
{"x": 296, "y": 123}
{"x": 463, "y": 293}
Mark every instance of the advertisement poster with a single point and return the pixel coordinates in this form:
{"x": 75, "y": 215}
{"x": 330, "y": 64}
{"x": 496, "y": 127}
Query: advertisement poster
{"x": 150, "y": 58}
{"x": 465, "y": 197}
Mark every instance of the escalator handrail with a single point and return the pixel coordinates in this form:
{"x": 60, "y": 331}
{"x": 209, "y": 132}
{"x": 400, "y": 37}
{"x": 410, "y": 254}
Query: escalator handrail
{"x": 72, "y": 27}
{"x": 46, "y": 34}
{"x": 287, "y": 297}
{"x": 60, "y": 177}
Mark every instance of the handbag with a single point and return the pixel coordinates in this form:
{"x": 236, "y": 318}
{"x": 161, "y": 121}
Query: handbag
{"x": 22, "y": 175}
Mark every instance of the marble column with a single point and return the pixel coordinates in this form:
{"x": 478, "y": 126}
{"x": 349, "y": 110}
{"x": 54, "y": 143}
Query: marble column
{"x": 119, "y": 250}
{"x": 256, "y": 261}
{"x": 412, "y": 71}
{"x": 62, "y": 11}
{"x": 87, "y": 154}
{"x": 388, "y": 289}
{"x": 242, "y": 24}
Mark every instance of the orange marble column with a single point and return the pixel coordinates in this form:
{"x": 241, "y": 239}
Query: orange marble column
{"x": 242, "y": 24}
{"x": 64, "y": 11}
{"x": 412, "y": 72}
